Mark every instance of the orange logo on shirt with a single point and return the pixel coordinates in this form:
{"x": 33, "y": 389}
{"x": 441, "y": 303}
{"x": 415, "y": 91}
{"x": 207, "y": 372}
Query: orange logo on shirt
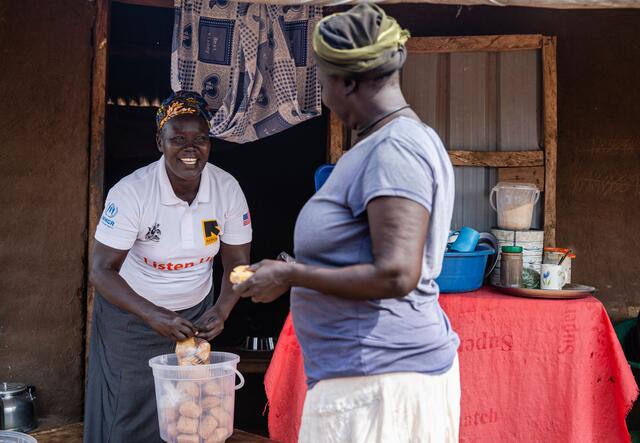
{"x": 211, "y": 231}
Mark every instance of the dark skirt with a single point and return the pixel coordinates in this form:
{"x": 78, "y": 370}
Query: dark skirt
{"x": 120, "y": 404}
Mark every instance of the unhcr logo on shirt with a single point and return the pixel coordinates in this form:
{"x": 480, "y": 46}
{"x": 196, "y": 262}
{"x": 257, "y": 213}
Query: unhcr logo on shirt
{"x": 108, "y": 215}
{"x": 111, "y": 210}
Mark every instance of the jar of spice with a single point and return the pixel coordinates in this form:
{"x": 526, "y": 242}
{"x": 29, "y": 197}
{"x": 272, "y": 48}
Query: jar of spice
{"x": 552, "y": 256}
{"x": 511, "y": 267}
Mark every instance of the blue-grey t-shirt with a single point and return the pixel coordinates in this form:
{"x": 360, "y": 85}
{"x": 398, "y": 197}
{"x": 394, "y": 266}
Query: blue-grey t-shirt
{"x": 341, "y": 337}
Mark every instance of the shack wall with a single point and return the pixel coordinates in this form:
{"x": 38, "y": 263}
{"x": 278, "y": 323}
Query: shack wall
{"x": 45, "y": 64}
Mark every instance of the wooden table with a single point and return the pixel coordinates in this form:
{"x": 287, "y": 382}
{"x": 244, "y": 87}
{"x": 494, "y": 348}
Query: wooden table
{"x": 73, "y": 434}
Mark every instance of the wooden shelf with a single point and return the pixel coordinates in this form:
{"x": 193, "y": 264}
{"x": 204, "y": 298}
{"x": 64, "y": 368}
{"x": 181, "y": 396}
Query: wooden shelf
{"x": 511, "y": 159}
{"x": 480, "y": 43}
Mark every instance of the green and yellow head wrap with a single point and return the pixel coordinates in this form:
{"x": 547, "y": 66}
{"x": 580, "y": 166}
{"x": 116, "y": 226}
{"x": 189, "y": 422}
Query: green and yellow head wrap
{"x": 362, "y": 42}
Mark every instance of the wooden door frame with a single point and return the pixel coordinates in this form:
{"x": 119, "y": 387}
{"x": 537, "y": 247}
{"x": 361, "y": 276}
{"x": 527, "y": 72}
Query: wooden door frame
{"x": 510, "y": 162}
{"x": 96, "y": 149}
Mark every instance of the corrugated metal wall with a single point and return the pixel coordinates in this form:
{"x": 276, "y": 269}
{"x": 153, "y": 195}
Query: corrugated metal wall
{"x": 482, "y": 101}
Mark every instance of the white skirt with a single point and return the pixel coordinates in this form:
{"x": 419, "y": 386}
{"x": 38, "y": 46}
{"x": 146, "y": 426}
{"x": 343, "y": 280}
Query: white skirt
{"x": 398, "y": 407}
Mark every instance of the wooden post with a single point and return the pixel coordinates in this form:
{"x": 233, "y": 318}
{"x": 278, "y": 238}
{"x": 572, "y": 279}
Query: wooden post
{"x": 550, "y": 125}
{"x": 335, "y": 139}
{"x": 96, "y": 153}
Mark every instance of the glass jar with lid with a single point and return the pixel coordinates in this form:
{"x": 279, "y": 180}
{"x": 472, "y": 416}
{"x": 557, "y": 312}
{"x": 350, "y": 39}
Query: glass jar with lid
{"x": 511, "y": 267}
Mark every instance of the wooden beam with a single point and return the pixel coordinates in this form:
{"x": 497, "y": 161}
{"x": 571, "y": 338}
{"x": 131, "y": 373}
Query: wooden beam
{"x": 516, "y": 159}
{"x": 534, "y": 175}
{"x": 335, "y": 139}
{"x": 96, "y": 154}
{"x": 550, "y": 128}
{"x": 504, "y": 159}
{"x": 483, "y": 43}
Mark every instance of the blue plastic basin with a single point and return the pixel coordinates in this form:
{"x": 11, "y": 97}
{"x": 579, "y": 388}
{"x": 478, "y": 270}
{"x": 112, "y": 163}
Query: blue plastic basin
{"x": 464, "y": 271}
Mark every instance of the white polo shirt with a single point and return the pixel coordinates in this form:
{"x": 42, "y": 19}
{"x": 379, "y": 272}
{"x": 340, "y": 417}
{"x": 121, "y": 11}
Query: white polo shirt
{"x": 171, "y": 244}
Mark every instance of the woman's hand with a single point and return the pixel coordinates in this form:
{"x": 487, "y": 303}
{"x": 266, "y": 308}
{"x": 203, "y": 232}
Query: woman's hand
{"x": 169, "y": 324}
{"x": 270, "y": 281}
{"x": 211, "y": 324}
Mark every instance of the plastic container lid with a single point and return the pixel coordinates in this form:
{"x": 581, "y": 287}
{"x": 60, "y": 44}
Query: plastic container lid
{"x": 512, "y": 249}
{"x": 562, "y": 251}
{"x": 12, "y": 388}
{"x": 16, "y": 437}
{"x": 512, "y": 185}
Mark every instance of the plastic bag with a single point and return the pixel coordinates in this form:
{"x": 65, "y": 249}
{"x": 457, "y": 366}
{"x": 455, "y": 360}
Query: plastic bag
{"x": 193, "y": 351}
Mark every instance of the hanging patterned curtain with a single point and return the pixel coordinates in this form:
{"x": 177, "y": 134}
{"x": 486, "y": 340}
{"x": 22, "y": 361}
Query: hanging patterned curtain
{"x": 251, "y": 62}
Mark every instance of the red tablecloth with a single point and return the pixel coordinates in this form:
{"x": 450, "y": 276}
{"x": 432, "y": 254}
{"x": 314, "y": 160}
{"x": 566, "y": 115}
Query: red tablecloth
{"x": 531, "y": 371}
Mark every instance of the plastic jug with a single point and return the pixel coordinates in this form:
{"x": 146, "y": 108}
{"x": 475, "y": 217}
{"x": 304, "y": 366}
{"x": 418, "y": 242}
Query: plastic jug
{"x": 514, "y": 204}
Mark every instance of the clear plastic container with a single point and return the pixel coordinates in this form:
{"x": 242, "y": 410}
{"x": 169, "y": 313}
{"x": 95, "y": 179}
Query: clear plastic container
{"x": 16, "y": 437}
{"x": 514, "y": 204}
{"x": 195, "y": 403}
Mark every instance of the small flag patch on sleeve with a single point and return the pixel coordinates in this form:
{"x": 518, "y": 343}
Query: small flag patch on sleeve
{"x": 246, "y": 219}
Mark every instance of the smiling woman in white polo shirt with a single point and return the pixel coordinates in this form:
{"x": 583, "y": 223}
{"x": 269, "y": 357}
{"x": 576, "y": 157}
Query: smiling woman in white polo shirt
{"x": 152, "y": 268}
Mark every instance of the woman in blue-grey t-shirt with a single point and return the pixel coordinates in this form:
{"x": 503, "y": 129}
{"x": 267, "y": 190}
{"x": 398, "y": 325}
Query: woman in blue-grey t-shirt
{"x": 379, "y": 352}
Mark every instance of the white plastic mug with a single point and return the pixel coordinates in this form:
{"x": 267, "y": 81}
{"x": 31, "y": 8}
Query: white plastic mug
{"x": 553, "y": 276}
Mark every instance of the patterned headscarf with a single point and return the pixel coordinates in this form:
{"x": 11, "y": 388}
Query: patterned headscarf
{"x": 362, "y": 42}
{"x": 179, "y": 103}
